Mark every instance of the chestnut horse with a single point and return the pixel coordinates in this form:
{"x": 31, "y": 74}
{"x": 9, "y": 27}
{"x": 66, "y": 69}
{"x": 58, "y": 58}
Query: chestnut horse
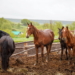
{"x": 41, "y": 39}
{"x": 69, "y": 38}
{"x": 62, "y": 43}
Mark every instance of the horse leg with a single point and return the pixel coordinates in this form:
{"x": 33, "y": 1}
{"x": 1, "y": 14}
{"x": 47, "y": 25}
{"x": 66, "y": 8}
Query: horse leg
{"x": 36, "y": 54}
{"x": 42, "y": 52}
{"x": 66, "y": 54}
{"x": 69, "y": 54}
{"x": 47, "y": 58}
{"x": 61, "y": 53}
{"x": 74, "y": 55}
{"x": 46, "y": 48}
{"x": 50, "y": 48}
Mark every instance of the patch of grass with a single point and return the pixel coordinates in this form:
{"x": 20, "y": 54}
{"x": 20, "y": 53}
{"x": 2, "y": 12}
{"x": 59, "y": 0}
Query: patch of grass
{"x": 56, "y": 41}
{"x": 28, "y": 39}
{"x": 23, "y": 39}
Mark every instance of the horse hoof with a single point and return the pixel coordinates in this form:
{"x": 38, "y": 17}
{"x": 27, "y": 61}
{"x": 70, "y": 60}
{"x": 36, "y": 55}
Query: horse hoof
{"x": 46, "y": 60}
{"x": 73, "y": 64}
{"x": 35, "y": 64}
{"x": 66, "y": 58}
{"x": 3, "y": 71}
{"x": 60, "y": 60}
{"x": 42, "y": 63}
{"x": 69, "y": 63}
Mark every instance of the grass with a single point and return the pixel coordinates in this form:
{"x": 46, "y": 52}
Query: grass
{"x": 23, "y": 39}
{"x": 29, "y": 39}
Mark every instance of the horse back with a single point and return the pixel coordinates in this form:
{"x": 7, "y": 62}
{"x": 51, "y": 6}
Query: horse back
{"x": 45, "y": 37}
{"x": 48, "y": 33}
{"x": 10, "y": 41}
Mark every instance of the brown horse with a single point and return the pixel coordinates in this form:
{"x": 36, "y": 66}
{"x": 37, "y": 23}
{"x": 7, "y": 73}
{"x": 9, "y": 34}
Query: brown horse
{"x": 41, "y": 39}
{"x": 69, "y": 38}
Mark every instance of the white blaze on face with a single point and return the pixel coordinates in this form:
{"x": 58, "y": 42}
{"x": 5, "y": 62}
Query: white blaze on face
{"x": 64, "y": 30}
{"x": 28, "y": 28}
{"x": 26, "y": 34}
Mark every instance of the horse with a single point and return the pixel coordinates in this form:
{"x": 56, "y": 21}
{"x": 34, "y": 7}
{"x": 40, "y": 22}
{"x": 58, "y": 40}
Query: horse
{"x": 2, "y": 33}
{"x": 62, "y": 43}
{"x": 41, "y": 38}
{"x": 7, "y": 47}
{"x": 69, "y": 39}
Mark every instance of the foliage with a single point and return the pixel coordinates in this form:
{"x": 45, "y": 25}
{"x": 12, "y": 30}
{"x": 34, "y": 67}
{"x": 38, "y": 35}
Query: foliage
{"x": 55, "y": 27}
{"x": 25, "y": 21}
{"x": 6, "y": 26}
{"x": 18, "y": 25}
{"x": 71, "y": 26}
{"x": 46, "y": 26}
{"x": 9, "y": 32}
{"x": 35, "y": 23}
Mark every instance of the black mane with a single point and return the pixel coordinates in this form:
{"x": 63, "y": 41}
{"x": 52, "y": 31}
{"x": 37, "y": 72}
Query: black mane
{"x": 2, "y": 33}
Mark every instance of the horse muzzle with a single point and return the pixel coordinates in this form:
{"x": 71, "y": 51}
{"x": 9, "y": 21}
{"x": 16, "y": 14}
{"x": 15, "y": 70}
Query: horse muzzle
{"x": 64, "y": 39}
{"x": 27, "y": 36}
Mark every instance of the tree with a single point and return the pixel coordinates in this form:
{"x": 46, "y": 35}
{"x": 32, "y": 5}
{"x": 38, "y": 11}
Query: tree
{"x": 46, "y": 25}
{"x": 6, "y": 26}
{"x": 55, "y": 26}
{"x": 25, "y": 21}
{"x": 18, "y": 25}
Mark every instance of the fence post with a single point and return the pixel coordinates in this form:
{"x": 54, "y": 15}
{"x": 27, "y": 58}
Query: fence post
{"x": 45, "y": 50}
{"x": 26, "y": 52}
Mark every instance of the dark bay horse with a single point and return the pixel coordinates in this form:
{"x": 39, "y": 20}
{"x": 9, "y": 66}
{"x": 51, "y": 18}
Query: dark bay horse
{"x": 63, "y": 44}
{"x": 69, "y": 38}
{"x": 7, "y": 47}
{"x": 41, "y": 39}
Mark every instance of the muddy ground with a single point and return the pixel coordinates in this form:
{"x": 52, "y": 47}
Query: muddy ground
{"x": 28, "y": 67}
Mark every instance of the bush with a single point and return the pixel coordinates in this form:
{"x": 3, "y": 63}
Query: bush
{"x": 9, "y": 32}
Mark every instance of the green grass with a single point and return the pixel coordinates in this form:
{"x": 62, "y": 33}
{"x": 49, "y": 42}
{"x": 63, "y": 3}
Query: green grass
{"x": 23, "y": 39}
{"x": 29, "y": 39}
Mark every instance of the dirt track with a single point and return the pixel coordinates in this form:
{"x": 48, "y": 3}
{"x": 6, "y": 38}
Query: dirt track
{"x": 53, "y": 67}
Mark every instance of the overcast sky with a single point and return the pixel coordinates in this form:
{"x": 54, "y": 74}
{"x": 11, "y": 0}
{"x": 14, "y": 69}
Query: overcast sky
{"x": 38, "y": 9}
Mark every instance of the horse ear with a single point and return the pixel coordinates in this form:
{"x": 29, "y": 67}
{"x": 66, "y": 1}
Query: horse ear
{"x": 62, "y": 27}
{"x": 27, "y": 23}
{"x": 67, "y": 27}
{"x": 31, "y": 23}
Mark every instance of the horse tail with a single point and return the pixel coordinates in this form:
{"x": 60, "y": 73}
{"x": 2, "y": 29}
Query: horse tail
{"x": 13, "y": 47}
{"x": 4, "y": 54}
{"x": 11, "y": 44}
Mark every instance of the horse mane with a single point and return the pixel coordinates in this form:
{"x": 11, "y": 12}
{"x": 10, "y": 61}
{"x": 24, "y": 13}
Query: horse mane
{"x": 36, "y": 31}
{"x": 70, "y": 34}
{"x": 2, "y": 33}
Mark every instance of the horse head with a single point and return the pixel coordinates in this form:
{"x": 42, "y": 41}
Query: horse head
{"x": 65, "y": 33}
{"x": 30, "y": 30}
{"x": 60, "y": 34}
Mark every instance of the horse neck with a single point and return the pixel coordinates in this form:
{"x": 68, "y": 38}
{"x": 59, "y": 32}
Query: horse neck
{"x": 69, "y": 37}
{"x": 35, "y": 33}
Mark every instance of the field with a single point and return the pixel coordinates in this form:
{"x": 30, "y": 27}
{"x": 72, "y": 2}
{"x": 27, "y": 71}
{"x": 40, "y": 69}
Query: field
{"x": 28, "y": 67}
{"x": 29, "y": 39}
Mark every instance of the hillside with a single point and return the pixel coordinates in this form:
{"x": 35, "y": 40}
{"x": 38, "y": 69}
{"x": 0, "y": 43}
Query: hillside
{"x": 39, "y": 21}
